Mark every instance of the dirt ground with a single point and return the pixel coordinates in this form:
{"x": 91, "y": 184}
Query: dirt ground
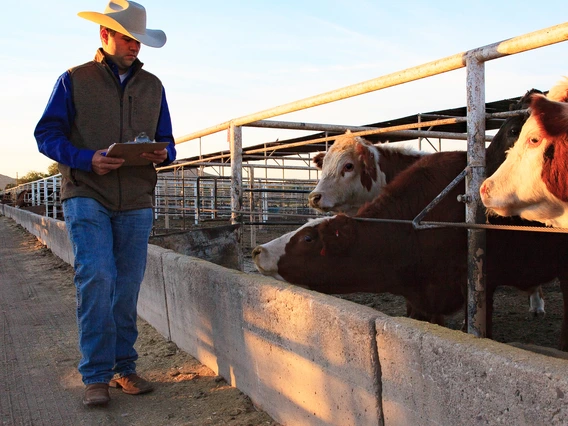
{"x": 512, "y": 322}
{"x": 39, "y": 383}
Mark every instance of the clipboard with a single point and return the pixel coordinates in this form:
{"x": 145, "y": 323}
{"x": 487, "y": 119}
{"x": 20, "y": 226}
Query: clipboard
{"x": 131, "y": 151}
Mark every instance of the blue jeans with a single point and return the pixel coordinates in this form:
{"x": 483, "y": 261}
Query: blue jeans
{"x": 110, "y": 251}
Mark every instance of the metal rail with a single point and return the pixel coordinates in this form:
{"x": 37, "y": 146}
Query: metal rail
{"x": 400, "y": 130}
{"x": 523, "y": 43}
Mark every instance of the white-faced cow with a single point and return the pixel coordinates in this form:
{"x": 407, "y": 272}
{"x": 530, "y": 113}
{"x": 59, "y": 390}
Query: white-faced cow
{"x": 495, "y": 154}
{"x": 533, "y": 180}
{"x": 354, "y": 171}
{"x": 428, "y": 267}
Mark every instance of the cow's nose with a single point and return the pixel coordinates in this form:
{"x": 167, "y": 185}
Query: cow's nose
{"x": 484, "y": 189}
{"x": 314, "y": 199}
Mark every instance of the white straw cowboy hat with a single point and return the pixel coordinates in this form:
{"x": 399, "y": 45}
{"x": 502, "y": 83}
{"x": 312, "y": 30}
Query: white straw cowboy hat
{"x": 129, "y": 18}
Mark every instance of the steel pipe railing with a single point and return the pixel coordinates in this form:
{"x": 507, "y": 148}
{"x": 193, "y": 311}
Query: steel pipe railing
{"x": 523, "y": 43}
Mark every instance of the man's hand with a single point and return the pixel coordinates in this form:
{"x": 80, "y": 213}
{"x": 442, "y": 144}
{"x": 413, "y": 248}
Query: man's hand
{"x": 156, "y": 157}
{"x": 102, "y": 164}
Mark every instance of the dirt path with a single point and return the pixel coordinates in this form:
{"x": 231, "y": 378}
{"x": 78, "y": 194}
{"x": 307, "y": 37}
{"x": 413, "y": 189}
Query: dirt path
{"x": 39, "y": 382}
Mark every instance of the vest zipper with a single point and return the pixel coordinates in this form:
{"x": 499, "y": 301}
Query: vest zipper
{"x": 130, "y": 106}
{"x": 121, "y": 140}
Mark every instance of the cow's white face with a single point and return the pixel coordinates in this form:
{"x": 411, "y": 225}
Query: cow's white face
{"x": 518, "y": 188}
{"x": 266, "y": 256}
{"x": 350, "y": 177}
{"x": 517, "y": 184}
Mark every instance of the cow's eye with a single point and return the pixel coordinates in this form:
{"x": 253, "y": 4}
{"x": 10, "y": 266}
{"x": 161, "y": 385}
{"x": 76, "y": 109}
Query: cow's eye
{"x": 308, "y": 239}
{"x": 534, "y": 140}
{"x": 348, "y": 167}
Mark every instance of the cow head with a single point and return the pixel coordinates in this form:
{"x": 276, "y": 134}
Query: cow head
{"x": 350, "y": 175}
{"x": 315, "y": 256}
{"x": 533, "y": 180}
{"x": 267, "y": 256}
{"x": 508, "y": 134}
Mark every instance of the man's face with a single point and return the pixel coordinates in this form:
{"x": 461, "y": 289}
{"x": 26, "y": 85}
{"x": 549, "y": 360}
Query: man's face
{"x": 122, "y": 49}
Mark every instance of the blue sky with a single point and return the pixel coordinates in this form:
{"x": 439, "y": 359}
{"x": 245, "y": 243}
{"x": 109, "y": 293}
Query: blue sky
{"x": 227, "y": 59}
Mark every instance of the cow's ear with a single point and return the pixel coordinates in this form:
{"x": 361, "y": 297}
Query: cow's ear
{"x": 552, "y": 116}
{"x": 337, "y": 235}
{"x": 368, "y": 164}
{"x": 318, "y": 160}
{"x": 554, "y": 170}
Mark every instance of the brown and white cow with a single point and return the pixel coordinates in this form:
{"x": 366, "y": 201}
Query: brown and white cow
{"x": 354, "y": 171}
{"x": 532, "y": 182}
{"x": 345, "y": 254}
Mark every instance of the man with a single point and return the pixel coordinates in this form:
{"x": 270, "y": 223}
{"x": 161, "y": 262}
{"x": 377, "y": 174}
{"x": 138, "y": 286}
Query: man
{"x": 108, "y": 205}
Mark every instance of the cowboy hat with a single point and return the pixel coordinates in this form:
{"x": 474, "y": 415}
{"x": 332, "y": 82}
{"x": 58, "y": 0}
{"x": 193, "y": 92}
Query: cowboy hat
{"x": 129, "y": 18}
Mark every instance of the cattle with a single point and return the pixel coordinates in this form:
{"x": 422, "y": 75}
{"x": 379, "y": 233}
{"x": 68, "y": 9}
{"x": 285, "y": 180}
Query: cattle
{"x": 508, "y": 134}
{"x": 495, "y": 154}
{"x": 342, "y": 254}
{"x": 354, "y": 172}
{"x": 532, "y": 182}
{"x": 22, "y": 200}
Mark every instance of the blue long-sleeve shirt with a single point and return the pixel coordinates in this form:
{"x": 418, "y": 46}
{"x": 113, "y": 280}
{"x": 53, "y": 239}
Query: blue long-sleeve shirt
{"x": 53, "y": 129}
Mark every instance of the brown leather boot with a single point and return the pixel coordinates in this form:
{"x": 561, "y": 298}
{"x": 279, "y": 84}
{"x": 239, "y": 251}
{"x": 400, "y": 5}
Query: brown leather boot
{"x": 132, "y": 384}
{"x": 96, "y": 394}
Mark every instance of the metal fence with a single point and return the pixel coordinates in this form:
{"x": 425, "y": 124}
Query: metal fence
{"x": 182, "y": 202}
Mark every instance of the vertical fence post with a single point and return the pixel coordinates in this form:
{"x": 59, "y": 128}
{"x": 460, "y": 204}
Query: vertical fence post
{"x": 45, "y": 196}
{"x": 252, "y": 204}
{"x": 183, "y": 205}
{"x": 215, "y": 189}
{"x": 236, "y": 144}
{"x": 166, "y": 206}
{"x": 197, "y": 200}
{"x": 194, "y": 187}
{"x": 476, "y": 300}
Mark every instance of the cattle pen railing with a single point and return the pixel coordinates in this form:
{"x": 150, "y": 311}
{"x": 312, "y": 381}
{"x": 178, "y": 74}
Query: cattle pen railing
{"x": 182, "y": 202}
{"x": 474, "y": 62}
